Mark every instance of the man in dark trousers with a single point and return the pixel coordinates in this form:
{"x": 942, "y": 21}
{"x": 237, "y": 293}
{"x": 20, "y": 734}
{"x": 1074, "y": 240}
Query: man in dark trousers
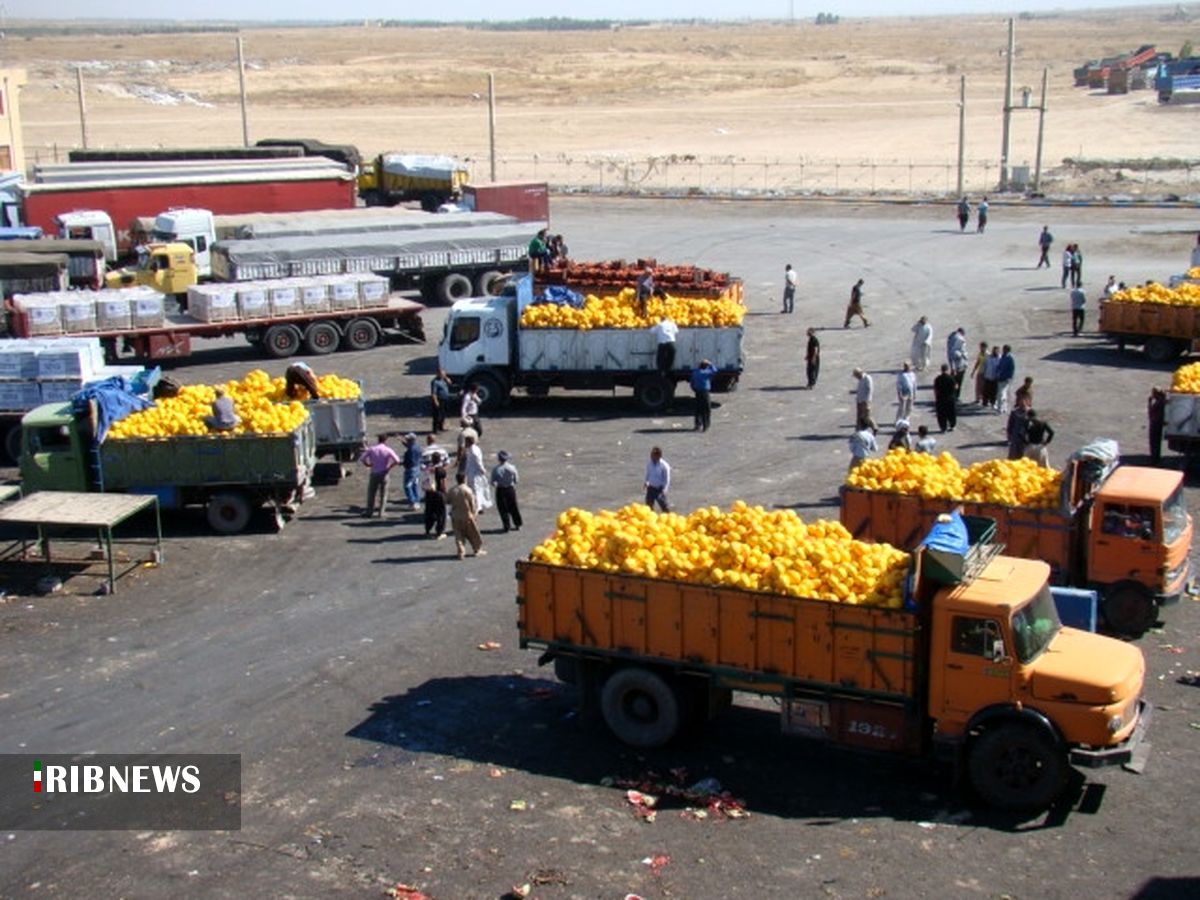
{"x": 701, "y": 382}
{"x": 812, "y": 359}
{"x": 1045, "y": 239}
{"x": 504, "y": 479}
{"x": 945, "y": 399}
{"x": 1156, "y": 413}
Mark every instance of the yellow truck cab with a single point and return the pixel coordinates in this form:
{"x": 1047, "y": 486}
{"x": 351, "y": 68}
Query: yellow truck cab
{"x": 168, "y": 268}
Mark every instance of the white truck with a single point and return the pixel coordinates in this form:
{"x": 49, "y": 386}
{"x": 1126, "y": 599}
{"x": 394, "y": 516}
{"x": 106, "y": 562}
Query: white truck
{"x": 484, "y": 344}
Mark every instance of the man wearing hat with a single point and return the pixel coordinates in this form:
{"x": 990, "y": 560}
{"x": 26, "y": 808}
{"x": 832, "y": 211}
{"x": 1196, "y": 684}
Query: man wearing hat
{"x": 412, "y": 470}
{"x": 504, "y": 477}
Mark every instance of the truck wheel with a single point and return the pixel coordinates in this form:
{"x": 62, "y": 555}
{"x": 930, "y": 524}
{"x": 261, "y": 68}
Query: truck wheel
{"x": 361, "y": 334}
{"x": 1163, "y": 349}
{"x": 725, "y": 383}
{"x": 12, "y": 443}
{"x": 640, "y": 707}
{"x": 489, "y": 283}
{"x": 492, "y": 392}
{"x": 653, "y": 392}
{"x": 1015, "y": 767}
{"x": 1129, "y": 609}
{"x": 281, "y": 341}
{"x": 454, "y": 287}
{"x": 229, "y": 512}
{"x": 321, "y": 338}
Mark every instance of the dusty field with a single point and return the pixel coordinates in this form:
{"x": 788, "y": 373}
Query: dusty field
{"x": 867, "y": 89}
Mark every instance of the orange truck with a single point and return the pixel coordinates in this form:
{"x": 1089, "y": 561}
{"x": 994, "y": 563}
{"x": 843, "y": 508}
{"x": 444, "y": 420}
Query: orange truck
{"x": 1164, "y": 331}
{"x": 976, "y": 670}
{"x": 1122, "y": 531}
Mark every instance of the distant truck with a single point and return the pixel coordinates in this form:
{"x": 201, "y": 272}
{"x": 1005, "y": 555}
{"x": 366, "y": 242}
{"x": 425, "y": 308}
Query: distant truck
{"x": 24, "y": 273}
{"x": 392, "y": 178}
{"x": 976, "y": 670}
{"x": 1123, "y": 531}
{"x": 229, "y": 475}
{"x": 484, "y": 344}
{"x": 85, "y": 258}
{"x": 1178, "y": 81}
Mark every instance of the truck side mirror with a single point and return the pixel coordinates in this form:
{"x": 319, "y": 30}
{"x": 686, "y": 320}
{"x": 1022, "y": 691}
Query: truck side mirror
{"x": 999, "y": 654}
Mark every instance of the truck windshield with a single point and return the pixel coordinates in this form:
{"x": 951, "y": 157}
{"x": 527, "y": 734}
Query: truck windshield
{"x": 1034, "y": 625}
{"x": 1175, "y": 517}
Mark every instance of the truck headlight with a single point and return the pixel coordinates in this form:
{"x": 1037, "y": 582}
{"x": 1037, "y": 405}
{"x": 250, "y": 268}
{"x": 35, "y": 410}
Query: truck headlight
{"x": 1115, "y": 723}
{"x": 1170, "y": 576}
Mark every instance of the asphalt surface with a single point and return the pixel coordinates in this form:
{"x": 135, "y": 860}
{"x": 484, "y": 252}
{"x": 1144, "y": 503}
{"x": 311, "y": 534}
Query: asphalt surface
{"x": 381, "y": 746}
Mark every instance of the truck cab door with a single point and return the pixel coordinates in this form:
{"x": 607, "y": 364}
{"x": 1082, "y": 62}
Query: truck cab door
{"x": 52, "y": 460}
{"x": 1124, "y": 543}
{"x": 473, "y": 338}
{"x": 976, "y": 666}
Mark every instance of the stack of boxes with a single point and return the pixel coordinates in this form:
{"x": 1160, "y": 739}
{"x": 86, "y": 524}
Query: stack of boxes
{"x": 33, "y": 371}
{"x": 81, "y": 312}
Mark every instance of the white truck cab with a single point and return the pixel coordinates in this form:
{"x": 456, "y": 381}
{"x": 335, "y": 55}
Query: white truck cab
{"x": 194, "y": 227}
{"x": 478, "y": 334}
{"x": 89, "y": 225}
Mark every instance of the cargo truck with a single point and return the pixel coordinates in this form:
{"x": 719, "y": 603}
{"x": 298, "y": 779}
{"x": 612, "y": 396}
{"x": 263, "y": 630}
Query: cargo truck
{"x": 484, "y": 344}
{"x": 976, "y": 670}
{"x": 85, "y": 258}
{"x": 1181, "y": 426}
{"x": 84, "y": 199}
{"x": 1164, "y": 331}
{"x": 1122, "y": 531}
{"x": 23, "y": 273}
{"x": 392, "y": 178}
{"x": 229, "y": 475}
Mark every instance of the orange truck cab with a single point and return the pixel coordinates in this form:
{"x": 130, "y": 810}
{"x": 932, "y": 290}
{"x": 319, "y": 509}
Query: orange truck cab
{"x": 976, "y": 669}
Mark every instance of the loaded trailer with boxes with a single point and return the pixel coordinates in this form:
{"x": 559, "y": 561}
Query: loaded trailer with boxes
{"x": 281, "y": 316}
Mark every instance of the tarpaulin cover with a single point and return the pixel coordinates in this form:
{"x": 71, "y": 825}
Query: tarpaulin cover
{"x": 114, "y": 401}
{"x": 336, "y": 222}
{"x": 421, "y": 166}
{"x": 558, "y": 295}
{"x": 950, "y": 536}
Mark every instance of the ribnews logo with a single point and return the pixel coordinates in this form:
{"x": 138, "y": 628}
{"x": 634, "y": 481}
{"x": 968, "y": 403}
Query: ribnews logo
{"x": 118, "y": 792}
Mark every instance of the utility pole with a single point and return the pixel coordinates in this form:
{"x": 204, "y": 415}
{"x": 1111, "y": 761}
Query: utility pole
{"x": 82, "y": 106}
{"x": 1037, "y": 166}
{"x": 492, "y": 123}
{"x": 1008, "y": 83}
{"x": 962, "y": 129}
{"x": 242, "y": 91}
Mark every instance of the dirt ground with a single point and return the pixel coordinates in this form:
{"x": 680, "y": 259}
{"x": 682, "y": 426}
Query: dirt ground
{"x": 864, "y": 89}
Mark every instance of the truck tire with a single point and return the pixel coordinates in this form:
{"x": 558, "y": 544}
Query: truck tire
{"x": 725, "y": 383}
{"x": 321, "y": 338}
{"x": 653, "y": 392}
{"x": 361, "y": 334}
{"x": 229, "y": 512}
{"x": 489, "y": 283}
{"x": 640, "y": 707}
{"x": 1014, "y": 766}
{"x": 493, "y": 393}
{"x": 1129, "y": 609}
{"x": 12, "y": 443}
{"x": 282, "y": 341}
{"x": 454, "y": 287}
{"x": 1163, "y": 349}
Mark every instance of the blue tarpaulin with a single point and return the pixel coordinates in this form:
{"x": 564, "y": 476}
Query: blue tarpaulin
{"x": 114, "y": 401}
{"x": 561, "y": 296}
{"x": 950, "y": 536}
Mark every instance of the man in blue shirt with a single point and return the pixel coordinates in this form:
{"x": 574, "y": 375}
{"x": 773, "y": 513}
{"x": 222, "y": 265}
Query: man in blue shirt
{"x": 1006, "y": 370}
{"x": 412, "y": 469}
{"x": 702, "y": 386}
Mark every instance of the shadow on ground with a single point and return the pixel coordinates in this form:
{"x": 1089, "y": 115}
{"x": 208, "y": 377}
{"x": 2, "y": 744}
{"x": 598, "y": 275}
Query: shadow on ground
{"x": 531, "y": 724}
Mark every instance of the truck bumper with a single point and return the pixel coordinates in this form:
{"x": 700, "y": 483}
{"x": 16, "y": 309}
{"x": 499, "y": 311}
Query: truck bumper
{"x": 1132, "y": 753}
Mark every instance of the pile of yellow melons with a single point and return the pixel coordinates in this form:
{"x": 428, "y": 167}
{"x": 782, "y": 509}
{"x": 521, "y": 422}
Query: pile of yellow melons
{"x": 747, "y": 547}
{"x": 253, "y": 400}
{"x": 1186, "y": 379}
{"x": 332, "y": 387}
{"x": 623, "y": 311}
{"x": 1185, "y": 294}
{"x": 1007, "y": 482}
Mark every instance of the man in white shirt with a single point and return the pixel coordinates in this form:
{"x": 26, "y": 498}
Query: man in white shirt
{"x": 922, "y": 344}
{"x": 789, "y": 289}
{"x": 862, "y": 445}
{"x": 665, "y": 333}
{"x": 906, "y": 390}
{"x": 658, "y": 480}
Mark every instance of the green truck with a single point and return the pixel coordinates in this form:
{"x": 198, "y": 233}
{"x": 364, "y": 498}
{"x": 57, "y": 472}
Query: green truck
{"x": 230, "y": 475}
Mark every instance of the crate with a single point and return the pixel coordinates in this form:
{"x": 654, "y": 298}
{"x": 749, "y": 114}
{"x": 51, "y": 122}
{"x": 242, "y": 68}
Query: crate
{"x": 212, "y": 303}
{"x": 19, "y": 396}
{"x": 343, "y": 293}
{"x": 372, "y": 292}
{"x": 253, "y": 303}
{"x": 284, "y": 299}
{"x": 42, "y": 312}
{"x": 148, "y": 311}
{"x": 314, "y": 297}
{"x": 18, "y": 359}
{"x": 78, "y": 314}
{"x": 58, "y": 391}
{"x": 66, "y": 360}
{"x": 115, "y": 314}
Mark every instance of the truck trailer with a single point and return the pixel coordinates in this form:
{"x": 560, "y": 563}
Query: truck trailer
{"x": 483, "y": 343}
{"x": 975, "y": 670}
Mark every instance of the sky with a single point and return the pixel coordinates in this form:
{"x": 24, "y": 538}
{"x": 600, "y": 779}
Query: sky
{"x": 475, "y": 10}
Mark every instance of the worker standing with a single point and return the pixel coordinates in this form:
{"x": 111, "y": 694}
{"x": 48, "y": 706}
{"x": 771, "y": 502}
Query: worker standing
{"x": 665, "y": 333}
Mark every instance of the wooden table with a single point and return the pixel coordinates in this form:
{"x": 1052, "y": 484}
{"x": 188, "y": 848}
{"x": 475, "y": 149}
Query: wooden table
{"x": 68, "y": 509}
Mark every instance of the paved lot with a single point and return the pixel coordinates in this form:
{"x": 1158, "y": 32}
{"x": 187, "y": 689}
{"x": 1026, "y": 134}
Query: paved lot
{"x": 380, "y": 746}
